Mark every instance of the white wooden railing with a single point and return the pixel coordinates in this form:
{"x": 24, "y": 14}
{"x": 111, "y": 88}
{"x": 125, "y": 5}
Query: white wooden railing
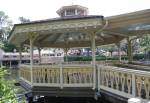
{"x": 58, "y": 75}
{"x": 121, "y": 81}
{"x": 124, "y": 82}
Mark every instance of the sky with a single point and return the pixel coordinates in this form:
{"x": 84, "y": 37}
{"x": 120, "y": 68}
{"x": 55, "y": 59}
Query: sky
{"x": 45, "y": 9}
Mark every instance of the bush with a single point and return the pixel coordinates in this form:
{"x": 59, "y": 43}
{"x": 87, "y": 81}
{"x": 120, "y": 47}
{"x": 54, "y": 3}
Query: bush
{"x": 7, "y": 91}
{"x": 138, "y": 56}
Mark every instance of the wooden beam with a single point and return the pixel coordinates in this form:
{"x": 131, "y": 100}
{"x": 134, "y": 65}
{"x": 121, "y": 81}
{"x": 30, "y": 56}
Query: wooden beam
{"x": 115, "y": 33}
{"x": 44, "y": 37}
{"x": 138, "y": 32}
{"x": 56, "y": 37}
{"x": 78, "y": 43}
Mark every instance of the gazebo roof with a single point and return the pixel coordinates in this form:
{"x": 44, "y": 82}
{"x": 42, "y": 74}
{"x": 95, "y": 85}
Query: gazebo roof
{"x": 67, "y": 32}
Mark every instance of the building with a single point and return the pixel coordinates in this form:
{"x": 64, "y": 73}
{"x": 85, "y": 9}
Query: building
{"x": 11, "y": 59}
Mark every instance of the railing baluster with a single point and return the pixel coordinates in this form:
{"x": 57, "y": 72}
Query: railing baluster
{"x": 147, "y": 87}
{"x": 129, "y": 80}
{"x": 139, "y": 85}
{"x": 133, "y": 85}
{"x": 122, "y": 81}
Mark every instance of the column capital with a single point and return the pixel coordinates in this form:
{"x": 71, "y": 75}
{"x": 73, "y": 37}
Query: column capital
{"x": 32, "y": 36}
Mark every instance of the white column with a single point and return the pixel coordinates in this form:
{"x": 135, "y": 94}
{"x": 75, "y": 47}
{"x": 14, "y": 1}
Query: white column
{"x": 130, "y": 55}
{"x": 65, "y": 12}
{"x": 119, "y": 51}
{"x": 66, "y": 50}
{"x": 20, "y": 55}
{"x": 76, "y": 12}
{"x": 93, "y": 59}
{"x": 39, "y": 50}
{"x": 31, "y": 58}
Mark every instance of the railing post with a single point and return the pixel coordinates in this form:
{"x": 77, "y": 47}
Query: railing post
{"x": 133, "y": 85}
{"x": 99, "y": 79}
{"x": 61, "y": 76}
{"x": 20, "y": 55}
{"x": 93, "y": 59}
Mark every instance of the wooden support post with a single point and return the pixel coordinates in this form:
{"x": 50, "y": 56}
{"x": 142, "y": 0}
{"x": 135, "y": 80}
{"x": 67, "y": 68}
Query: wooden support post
{"x": 130, "y": 56}
{"x": 93, "y": 59}
{"x": 39, "y": 50}
{"x": 66, "y": 50}
{"x": 20, "y": 55}
{"x": 31, "y": 58}
{"x": 119, "y": 51}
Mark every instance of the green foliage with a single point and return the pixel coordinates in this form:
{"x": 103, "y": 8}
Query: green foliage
{"x": 7, "y": 47}
{"x": 5, "y": 26}
{"x": 7, "y": 91}
{"x": 145, "y": 42}
{"x": 138, "y": 57}
{"x": 102, "y": 58}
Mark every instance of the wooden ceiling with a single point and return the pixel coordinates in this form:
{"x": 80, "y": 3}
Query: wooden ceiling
{"x": 76, "y": 32}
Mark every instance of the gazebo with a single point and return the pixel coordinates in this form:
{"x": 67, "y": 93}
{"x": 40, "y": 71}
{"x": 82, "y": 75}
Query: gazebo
{"x": 77, "y": 29}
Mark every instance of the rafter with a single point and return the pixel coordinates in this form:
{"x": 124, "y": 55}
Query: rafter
{"x": 44, "y": 37}
{"x": 56, "y": 38}
{"x": 115, "y": 33}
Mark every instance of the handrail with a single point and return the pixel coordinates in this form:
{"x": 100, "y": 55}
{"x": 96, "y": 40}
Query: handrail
{"x": 121, "y": 81}
{"x": 71, "y": 75}
{"x": 125, "y": 82}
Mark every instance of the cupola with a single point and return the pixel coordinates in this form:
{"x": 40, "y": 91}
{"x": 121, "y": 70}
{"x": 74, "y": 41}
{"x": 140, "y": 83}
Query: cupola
{"x": 72, "y": 10}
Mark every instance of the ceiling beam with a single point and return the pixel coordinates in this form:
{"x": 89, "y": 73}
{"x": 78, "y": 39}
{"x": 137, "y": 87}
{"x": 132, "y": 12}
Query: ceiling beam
{"x": 138, "y": 32}
{"x": 56, "y": 37}
{"x": 43, "y": 37}
{"x": 78, "y": 43}
{"x": 115, "y": 33}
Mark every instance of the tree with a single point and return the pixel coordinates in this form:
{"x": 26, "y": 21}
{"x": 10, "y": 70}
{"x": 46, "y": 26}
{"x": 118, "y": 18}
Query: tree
{"x": 24, "y": 20}
{"x": 145, "y": 44}
{"x": 7, "y": 47}
{"x": 5, "y": 26}
{"x": 135, "y": 46}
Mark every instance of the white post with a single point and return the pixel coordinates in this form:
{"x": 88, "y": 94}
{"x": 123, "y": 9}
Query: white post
{"x": 133, "y": 85}
{"x": 119, "y": 51}
{"x": 61, "y": 76}
{"x": 76, "y": 12}
{"x": 31, "y": 58}
{"x": 99, "y": 79}
{"x": 39, "y": 50}
{"x": 93, "y": 59}
{"x": 130, "y": 55}
{"x": 20, "y": 56}
{"x": 66, "y": 50}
